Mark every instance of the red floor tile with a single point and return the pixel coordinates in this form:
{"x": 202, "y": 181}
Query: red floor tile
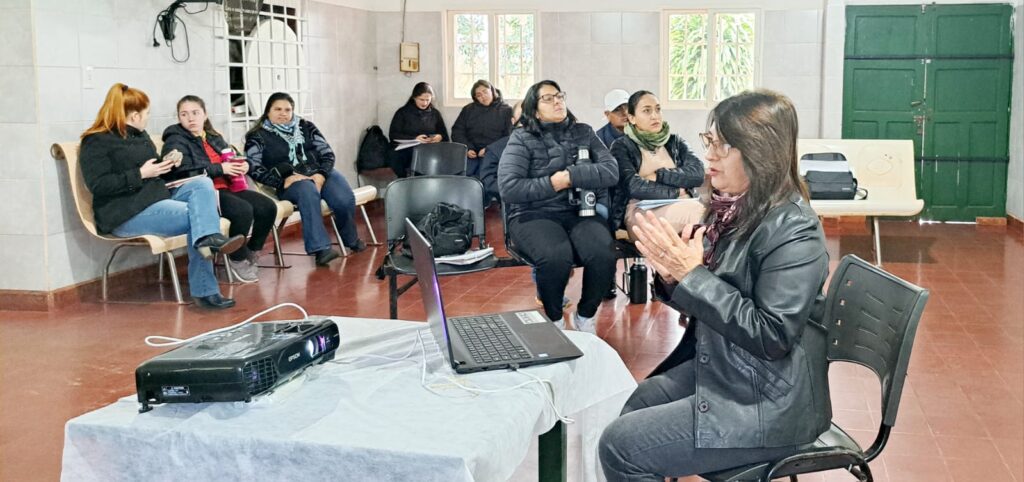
{"x": 961, "y": 416}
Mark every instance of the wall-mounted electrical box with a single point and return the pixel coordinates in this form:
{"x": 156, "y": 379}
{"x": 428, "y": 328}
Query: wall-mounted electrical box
{"x": 409, "y": 57}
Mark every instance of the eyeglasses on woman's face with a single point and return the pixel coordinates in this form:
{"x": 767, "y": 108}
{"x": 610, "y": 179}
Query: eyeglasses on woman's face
{"x": 714, "y": 146}
{"x": 551, "y": 98}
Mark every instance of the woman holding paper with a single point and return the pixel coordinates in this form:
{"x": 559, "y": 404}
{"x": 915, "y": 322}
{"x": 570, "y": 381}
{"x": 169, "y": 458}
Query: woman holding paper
{"x": 122, "y": 171}
{"x": 654, "y": 164}
{"x": 206, "y": 152}
{"x": 416, "y": 122}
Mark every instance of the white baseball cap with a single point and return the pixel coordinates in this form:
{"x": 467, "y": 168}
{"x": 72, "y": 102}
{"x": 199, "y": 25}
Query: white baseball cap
{"x": 614, "y": 98}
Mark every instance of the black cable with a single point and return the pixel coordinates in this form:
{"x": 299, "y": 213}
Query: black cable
{"x": 188, "y": 48}
{"x": 168, "y": 20}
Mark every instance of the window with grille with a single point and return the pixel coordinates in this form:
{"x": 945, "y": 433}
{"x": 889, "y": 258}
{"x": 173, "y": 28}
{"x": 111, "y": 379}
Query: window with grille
{"x": 498, "y": 47}
{"x": 708, "y": 55}
{"x": 265, "y": 54}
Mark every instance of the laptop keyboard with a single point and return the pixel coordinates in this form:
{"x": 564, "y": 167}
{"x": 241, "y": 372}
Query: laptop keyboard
{"x": 488, "y": 339}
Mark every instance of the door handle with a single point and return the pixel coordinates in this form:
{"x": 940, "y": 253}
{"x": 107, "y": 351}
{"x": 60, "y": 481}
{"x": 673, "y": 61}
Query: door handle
{"x": 916, "y": 103}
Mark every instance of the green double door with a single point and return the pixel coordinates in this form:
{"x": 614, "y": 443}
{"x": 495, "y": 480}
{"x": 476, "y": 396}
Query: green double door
{"x": 939, "y": 75}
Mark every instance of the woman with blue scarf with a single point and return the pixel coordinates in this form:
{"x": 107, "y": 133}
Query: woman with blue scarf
{"x": 288, "y": 153}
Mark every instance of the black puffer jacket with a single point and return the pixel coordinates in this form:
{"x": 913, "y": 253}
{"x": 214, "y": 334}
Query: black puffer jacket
{"x": 688, "y": 174}
{"x": 478, "y": 125}
{"x": 267, "y": 154}
{"x": 194, "y": 157}
{"x": 410, "y": 122}
{"x": 530, "y": 158}
{"x": 110, "y": 165}
{"x": 760, "y": 358}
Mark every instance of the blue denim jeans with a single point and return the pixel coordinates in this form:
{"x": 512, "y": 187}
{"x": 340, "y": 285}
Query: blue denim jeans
{"x": 653, "y": 438}
{"x": 191, "y": 210}
{"x": 340, "y": 199}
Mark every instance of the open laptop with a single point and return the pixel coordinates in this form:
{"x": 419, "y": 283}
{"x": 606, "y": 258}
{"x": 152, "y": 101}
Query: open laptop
{"x": 485, "y": 342}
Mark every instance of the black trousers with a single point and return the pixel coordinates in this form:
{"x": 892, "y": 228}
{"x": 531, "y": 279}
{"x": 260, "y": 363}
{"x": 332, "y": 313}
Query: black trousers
{"x": 400, "y": 161}
{"x": 554, "y": 243}
{"x": 248, "y": 210}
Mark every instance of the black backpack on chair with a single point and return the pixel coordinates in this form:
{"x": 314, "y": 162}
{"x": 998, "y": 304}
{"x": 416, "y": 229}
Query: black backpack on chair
{"x": 448, "y": 227}
{"x": 373, "y": 151}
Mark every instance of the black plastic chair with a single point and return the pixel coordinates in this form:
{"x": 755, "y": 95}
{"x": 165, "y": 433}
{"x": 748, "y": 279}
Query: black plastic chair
{"x": 414, "y": 197}
{"x": 871, "y": 317}
{"x": 439, "y": 159}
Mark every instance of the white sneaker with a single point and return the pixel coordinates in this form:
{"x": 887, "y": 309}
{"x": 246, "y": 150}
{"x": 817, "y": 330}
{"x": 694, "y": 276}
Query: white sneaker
{"x": 560, "y": 324}
{"x": 245, "y": 270}
{"x": 584, "y": 324}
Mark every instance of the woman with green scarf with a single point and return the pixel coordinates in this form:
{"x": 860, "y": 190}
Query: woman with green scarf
{"x": 654, "y": 164}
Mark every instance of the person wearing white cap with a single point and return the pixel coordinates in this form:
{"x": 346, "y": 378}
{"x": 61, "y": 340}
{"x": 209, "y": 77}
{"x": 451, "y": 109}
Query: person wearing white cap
{"x": 615, "y": 110}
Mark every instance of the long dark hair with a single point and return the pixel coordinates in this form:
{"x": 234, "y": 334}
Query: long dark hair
{"x": 763, "y": 125}
{"x": 276, "y": 96}
{"x": 529, "y": 119}
{"x": 495, "y": 93}
{"x": 207, "y": 126}
{"x": 634, "y": 100}
{"x": 420, "y": 89}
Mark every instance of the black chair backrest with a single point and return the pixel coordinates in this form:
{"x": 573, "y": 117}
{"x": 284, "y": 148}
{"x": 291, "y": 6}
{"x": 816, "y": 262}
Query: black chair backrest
{"x": 872, "y": 318}
{"x": 414, "y": 197}
{"x": 439, "y": 159}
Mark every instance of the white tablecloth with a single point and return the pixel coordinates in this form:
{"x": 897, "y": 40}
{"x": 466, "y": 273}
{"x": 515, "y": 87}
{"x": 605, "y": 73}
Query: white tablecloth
{"x": 360, "y": 418}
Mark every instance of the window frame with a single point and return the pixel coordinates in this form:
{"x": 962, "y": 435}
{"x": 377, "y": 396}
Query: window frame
{"x": 709, "y": 37}
{"x": 454, "y": 99}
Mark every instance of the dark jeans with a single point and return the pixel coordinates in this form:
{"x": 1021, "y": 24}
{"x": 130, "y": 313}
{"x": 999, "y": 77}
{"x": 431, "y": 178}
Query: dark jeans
{"x": 399, "y": 161}
{"x": 248, "y": 210}
{"x": 340, "y": 199}
{"x": 554, "y": 244}
{"x": 653, "y": 438}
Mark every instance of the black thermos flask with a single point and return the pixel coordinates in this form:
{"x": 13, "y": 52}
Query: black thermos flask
{"x": 638, "y": 282}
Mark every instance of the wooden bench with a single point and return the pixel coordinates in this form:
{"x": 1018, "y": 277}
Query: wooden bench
{"x": 885, "y": 168}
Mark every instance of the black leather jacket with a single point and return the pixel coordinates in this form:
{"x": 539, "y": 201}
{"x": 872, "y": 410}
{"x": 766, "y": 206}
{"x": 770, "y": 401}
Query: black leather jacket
{"x": 194, "y": 157}
{"x": 688, "y": 174}
{"x": 530, "y": 158}
{"x": 762, "y": 373}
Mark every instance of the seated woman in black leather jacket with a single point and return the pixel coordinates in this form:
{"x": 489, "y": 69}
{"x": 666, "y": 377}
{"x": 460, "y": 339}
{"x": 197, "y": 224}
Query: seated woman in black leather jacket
{"x": 654, "y": 164}
{"x": 748, "y": 382}
{"x": 542, "y": 170}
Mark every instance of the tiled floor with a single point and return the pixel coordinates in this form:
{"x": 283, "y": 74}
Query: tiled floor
{"x": 961, "y": 417}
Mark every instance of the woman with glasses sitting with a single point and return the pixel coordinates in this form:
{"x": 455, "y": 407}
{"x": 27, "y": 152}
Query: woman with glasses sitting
{"x": 654, "y": 164}
{"x": 748, "y": 383}
{"x": 552, "y": 174}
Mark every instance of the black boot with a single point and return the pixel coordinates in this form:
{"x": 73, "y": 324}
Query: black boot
{"x": 214, "y": 244}
{"x": 324, "y": 258}
{"x": 214, "y": 302}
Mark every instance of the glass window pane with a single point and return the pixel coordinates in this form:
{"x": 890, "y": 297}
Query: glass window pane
{"x": 687, "y": 49}
{"x": 734, "y": 54}
{"x": 515, "y": 54}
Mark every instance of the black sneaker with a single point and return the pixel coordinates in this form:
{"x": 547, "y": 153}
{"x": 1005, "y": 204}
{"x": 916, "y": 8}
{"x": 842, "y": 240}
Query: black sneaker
{"x": 359, "y": 246}
{"x": 324, "y": 258}
{"x": 214, "y": 302}
{"x": 214, "y": 244}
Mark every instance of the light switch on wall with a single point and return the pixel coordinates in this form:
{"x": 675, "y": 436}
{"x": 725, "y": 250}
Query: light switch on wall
{"x": 87, "y": 82}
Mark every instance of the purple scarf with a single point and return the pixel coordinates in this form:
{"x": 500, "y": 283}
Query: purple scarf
{"x": 724, "y": 208}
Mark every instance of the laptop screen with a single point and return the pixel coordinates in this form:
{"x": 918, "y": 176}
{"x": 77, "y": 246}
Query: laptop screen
{"x": 426, "y": 272}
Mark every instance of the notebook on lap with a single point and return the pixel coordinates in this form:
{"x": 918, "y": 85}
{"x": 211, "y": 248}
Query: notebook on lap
{"x": 485, "y": 342}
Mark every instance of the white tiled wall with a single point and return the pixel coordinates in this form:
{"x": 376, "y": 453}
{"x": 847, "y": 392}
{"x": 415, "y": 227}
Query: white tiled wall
{"x": 1015, "y": 171}
{"x": 590, "y": 53}
{"x": 353, "y": 58}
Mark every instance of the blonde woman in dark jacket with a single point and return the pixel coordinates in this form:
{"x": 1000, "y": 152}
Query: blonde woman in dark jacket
{"x": 748, "y": 382}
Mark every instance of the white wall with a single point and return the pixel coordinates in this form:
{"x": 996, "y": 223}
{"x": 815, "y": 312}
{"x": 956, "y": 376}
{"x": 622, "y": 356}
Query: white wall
{"x": 50, "y": 44}
{"x": 1015, "y": 171}
{"x": 590, "y": 53}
